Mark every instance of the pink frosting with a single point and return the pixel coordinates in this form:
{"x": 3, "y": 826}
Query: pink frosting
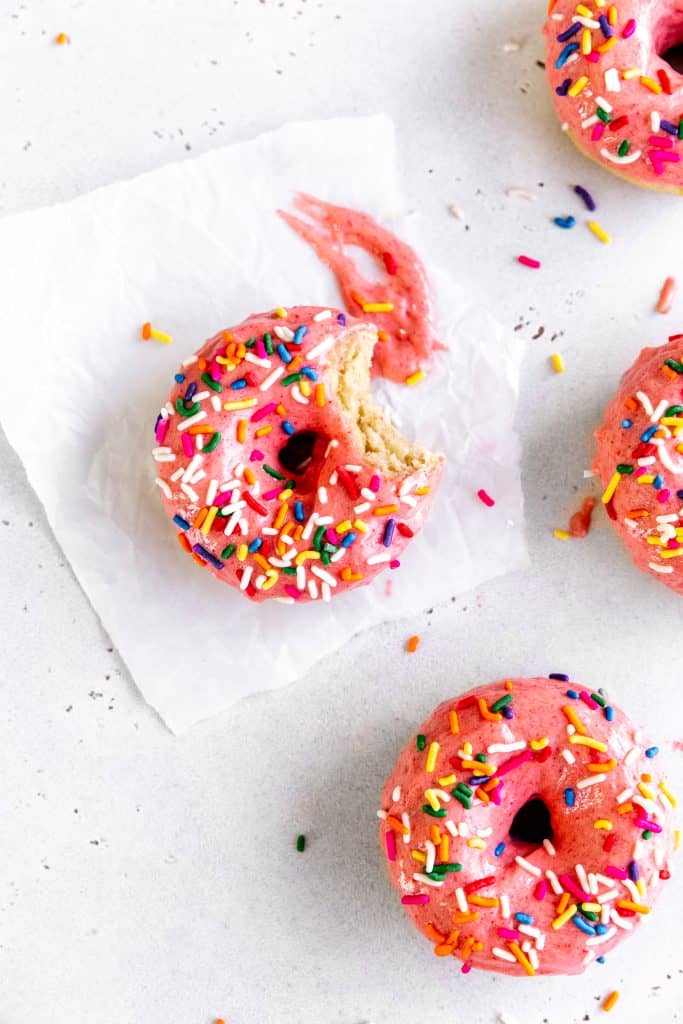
{"x": 640, "y": 435}
{"x": 297, "y": 534}
{"x": 621, "y": 102}
{"x": 595, "y": 853}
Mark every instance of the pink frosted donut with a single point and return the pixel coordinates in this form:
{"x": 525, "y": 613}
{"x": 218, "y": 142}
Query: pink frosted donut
{"x": 640, "y": 461}
{"x": 527, "y": 828}
{"x": 620, "y": 101}
{"x": 282, "y": 477}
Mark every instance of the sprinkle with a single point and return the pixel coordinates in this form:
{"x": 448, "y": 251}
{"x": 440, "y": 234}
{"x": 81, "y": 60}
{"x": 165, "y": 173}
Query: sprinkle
{"x": 528, "y": 261}
{"x": 610, "y": 1001}
{"x": 432, "y": 755}
{"x": 611, "y": 488}
{"x": 528, "y": 866}
{"x": 599, "y": 232}
{"x": 520, "y": 193}
{"x": 61, "y": 38}
{"x": 415, "y": 378}
{"x": 557, "y": 362}
{"x": 485, "y": 498}
{"x": 419, "y": 899}
{"x": 301, "y": 842}
{"x": 585, "y": 196}
{"x": 412, "y": 644}
{"x": 666, "y": 296}
{"x": 564, "y": 222}
{"x": 151, "y": 332}
{"x": 522, "y": 958}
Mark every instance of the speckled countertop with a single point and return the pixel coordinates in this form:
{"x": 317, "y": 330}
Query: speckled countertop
{"x": 147, "y": 878}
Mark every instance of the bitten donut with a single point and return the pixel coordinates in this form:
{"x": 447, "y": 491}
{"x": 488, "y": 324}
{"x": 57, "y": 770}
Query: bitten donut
{"x": 640, "y": 461}
{"x": 617, "y": 98}
{"x": 280, "y": 475}
{"x": 527, "y": 827}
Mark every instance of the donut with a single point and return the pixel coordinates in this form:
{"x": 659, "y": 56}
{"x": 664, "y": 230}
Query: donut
{"x": 617, "y": 98}
{"x": 280, "y": 475}
{"x": 526, "y": 827}
{"x": 639, "y": 459}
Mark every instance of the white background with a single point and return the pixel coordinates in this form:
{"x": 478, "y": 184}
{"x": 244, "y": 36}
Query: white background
{"x": 147, "y": 878}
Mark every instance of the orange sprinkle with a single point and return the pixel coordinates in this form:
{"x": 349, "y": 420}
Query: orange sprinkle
{"x": 249, "y": 477}
{"x": 200, "y": 430}
{"x": 490, "y": 785}
{"x": 241, "y": 431}
{"x": 443, "y": 949}
{"x": 384, "y": 510}
{"x": 465, "y": 918}
{"x": 146, "y": 328}
{"x": 637, "y": 513}
{"x": 666, "y": 296}
{"x": 483, "y": 796}
{"x": 606, "y": 766}
{"x": 521, "y": 957}
{"x": 490, "y": 716}
{"x": 200, "y": 517}
{"x": 198, "y": 560}
{"x": 263, "y": 431}
{"x": 62, "y": 38}
{"x": 574, "y": 719}
{"x": 391, "y": 822}
{"x": 433, "y": 933}
{"x": 280, "y": 410}
{"x": 453, "y": 722}
{"x": 668, "y": 372}
{"x": 412, "y": 645}
{"x": 184, "y": 542}
{"x": 625, "y": 808}
{"x": 349, "y": 576}
{"x": 435, "y": 834}
{"x": 483, "y": 901}
{"x": 508, "y": 685}
{"x": 631, "y": 404}
{"x": 281, "y": 516}
{"x": 444, "y": 848}
{"x": 609, "y": 1002}
{"x": 563, "y": 903}
{"x": 481, "y": 767}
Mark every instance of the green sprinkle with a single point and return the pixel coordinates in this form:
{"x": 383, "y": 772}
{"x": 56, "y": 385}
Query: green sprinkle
{"x": 226, "y": 552}
{"x": 647, "y": 834}
{"x": 289, "y": 570}
{"x": 680, "y": 128}
{"x": 450, "y": 867}
{"x": 435, "y": 875}
{"x": 624, "y": 469}
{"x": 480, "y": 757}
{"x": 441, "y": 813}
{"x": 464, "y": 788}
{"x": 420, "y": 741}
{"x": 289, "y": 485}
{"x": 300, "y": 844}
{"x": 603, "y": 115}
{"x": 211, "y": 383}
{"x": 464, "y": 800}
{"x": 290, "y": 379}
{"x": 598, "y": 699}
{"x": 268, "y": 342}
{"x": 213, "y": 443}
{"x": 318, "y": 537}
{"x": 590, "y": 914}
{"x": 502, "y": 702}
{"x": 180, "y": 406}
{"x": 674, "y": 410}
{"x": 325, "y": 558}
{"x": 272, "y": 472}
{"x": 329, "y": 548}
{"x": 673, "y": 365}
{"x": 250, "y": 343}
{"x": 624, "y": 147}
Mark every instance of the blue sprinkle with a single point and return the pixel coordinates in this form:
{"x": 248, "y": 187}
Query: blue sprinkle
{"x": 348, "y": 539}
{"x": 565, "y": 54}
{"x": 569, "y": 797}
{"x": 499, "y": 849}
{"x": 207, "y": 556}
{"x": 191, "y": 388}
{"x": 283, "y": 353}
{"x": 667, "y": 126}
{"x": 572, "y": 693}
{"x": 341, "y": 319}
{"x": 237, "y": 385}
{"x": 658, "y": 482}
{"x": 255, "y": 545}
{"x": 569, "y": 32}
{"x": 309, "y": 372}
{"x": 679, "y": 494}
{"x": 508, "y": 712}
{"x": 179, "y": 378}
{"x": 605, "y": 26}
{"x": 565, "y": 222}
{"x": 651, "y": 751}
{"x": 601, "y": 929}
{"x": 182, "y": 523}
{"x": 524, "y": 918}
{"x": 299, "y": 514}
{"x": 563, "y": 89}
{"x": 288, "y": 427}
{"x": 299, "y": 335}
{"x": 389, "y": 533}
{"x": 609, "y": 713}
{"x": 650, "y": 432}
{"x": 600, "y": 960}
{"x": 559, "y": 675}
{"x": 633, "y": 871}
{"x": 626, "y": 424}
{"x": 583, "y": 925}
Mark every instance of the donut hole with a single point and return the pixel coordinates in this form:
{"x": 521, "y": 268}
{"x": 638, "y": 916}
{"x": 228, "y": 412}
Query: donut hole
{"x": 669, "y": 42}
{"x": 301, "y": 456}
{"x": 532, "y": 822}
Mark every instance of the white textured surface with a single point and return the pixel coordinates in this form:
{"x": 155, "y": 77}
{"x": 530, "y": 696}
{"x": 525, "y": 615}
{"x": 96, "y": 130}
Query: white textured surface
{"x": 174, "y": 894}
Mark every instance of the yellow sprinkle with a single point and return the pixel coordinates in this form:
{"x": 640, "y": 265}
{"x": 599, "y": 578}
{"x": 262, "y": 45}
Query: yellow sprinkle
{"x": 609, "y": 1002}
{"x": 476, "y": 843}
{"x": 611, "y": 487}
{"x": 672, "y": 553}
{"x": 587, "y": 741}
{"x": 647, "y": 793}
{"x": 263, "y": 431}
{"x": 378, "y": 307}
{"x": 208, "y": 522}
{"x": 271, "y": 579}
{"x": 639, "y": 908}
{"x": 668, "y": 794}
{"x": 569, "y": 712}
{"x": 561, "y": 534}
{"x": 557, "y": 362}
{"x": 166, "y": 339}
{"x": 282, "y": 313}
{"x": 305, "y": 556}
{"x": 584, "y": 11}
{"x": 671, "y": 421}
{"x": 586, "y": 42}
{"x": 305, "y": 388}
{"x": 646, "y": 478}
{"x": 384, "y": 510}
{"x": 522, "y": 958}
{"x": 448, "y": 780}
{"x": 603, "y": 823}
{"x": 650, "y": 84}
{"x": 242, "y": 552}
{"x": 344, "y": 527}
{"x": 249, "y": 476}
{"x": 480, "y": 766}
{"x": 243, "y": 403}
{"x": 241, "y": 431}
{"x": 483, "y": 901}
{"x": 677, "y": 838}
{"x": 630, "y": 73}
{"x": 320, "y": 394}
{"x": 578, "y": 86}
{"x": 422, "y": 490}
{"x": 640, "y": 886}
{"x": 599, "y": 232}
{"x": 539, "y": 744}
{"x": 607, "y": 45}
{"x": 286, "y": 494}
{"x": 432, "y": 755}
{"x": 432, "y": 799}
{"x": 612, "y": 15}
{"x": 562, "y": 919}
{"x": 358, "y": 524}
{"x": 454, "y": 722}
{"x": 657, "y": 541}
{"x": 415, "y": 378}
{"x": 467, "y": 748}
{"x": 418, "y": 856}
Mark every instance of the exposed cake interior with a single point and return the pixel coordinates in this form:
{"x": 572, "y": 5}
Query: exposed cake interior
{"x": 348, "y": 379}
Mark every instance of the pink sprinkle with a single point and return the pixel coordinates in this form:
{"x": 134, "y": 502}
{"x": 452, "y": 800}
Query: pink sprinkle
{"x": 215, "y": 371}
{"x": 641, "y": 471}
{"x": 466, "y": 967}
{"x": 646, "y": 823}
{"x": 629, "y": 28}
{"x": 512, "y": 763}
{"x": 587, "y": 699}
{"x": 527, "y": 261}
{"x": 269, "y": 495}
{"x": 261, "y": 349}
{"x": 293, "y": 592}
{"x": 570, "y": 885}
{"x": 661, "y": 141}
{"x": 420, "y": 899}
{"x": 496, "y": 795}
{"x": 394, "y": 563}
{"x": 664, "y": 495}
{"x": 485, "y": 498}
{"x": 597, "y": 132}
{"x": 508, "y": 933}
{"x": 672, "y": 544}
{"x": 390, "y": 842}
{"x": 264, "y": 411}
{"x": 541, "y": 889}
{"x": 257, "y": 455}
{"x": 332, "y": 535}
{"x": 162, "y": 430}
{"x": 375, "y": 483}
{"x": 187, "y": 444}
{"x": 593, "y": 56}
{"x": 222, "y": 499}
{"x": 615, "y": 872}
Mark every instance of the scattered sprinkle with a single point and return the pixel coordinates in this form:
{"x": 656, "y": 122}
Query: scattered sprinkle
{"x": 485, "y": 498}
{"x": 412, "y": 644}
{"x": 666, "y": 296}
{"x": 528, "y": 261}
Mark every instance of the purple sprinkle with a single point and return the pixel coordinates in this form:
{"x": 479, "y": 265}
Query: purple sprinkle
{"x": 389, "y": 532}
{"x": 563, "y": 89}
{"x": 633, "y": 871}
{"x": 341, "y": 319}
{"x": 559, "y": 675}
{"x": 586, "y": 196}
{"x": 508, "y": 712}
{"x": 569, "y": 32}
{"x": 667, "y": 126}
{"x": 207, "y": 556}
{"x": 191, "y": 388}
{"x": 605, "y": 26}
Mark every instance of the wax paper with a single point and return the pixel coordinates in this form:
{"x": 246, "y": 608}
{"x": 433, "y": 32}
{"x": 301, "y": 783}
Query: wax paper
{"x": 194, "y": 247}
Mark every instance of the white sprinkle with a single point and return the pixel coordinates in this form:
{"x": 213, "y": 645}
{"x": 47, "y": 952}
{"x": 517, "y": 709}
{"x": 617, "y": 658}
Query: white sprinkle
{"x": 592, "y": 884}
{"x": 590, "y": 121}
{"x": 586, "y": 22}
{"x": 533, "y": 958}
{"x": 377, "y": 559}
{"x": 656, "y": 567}
{"x": 246, "y": 576}
{"x": 301, "y": 577}
{"x": 571, "y": 729}
{"x": 505, "y": 911}
{"x": 540, "y": 941}
{"x": 625, "y": 795}
{"x": 178, "y": 473}
{"x": 659, "y": 411}
{"x": 192, "y": 495}
{"x": 164, "y": 413}
{"x": 189, "y": 362}
{"x": 269, "y": 531}
{"x": 588, "y": 958}
{"x": 200, "y": 396}
{"x": 324, "y": 520}
{"x": 647, "y": 461}
{"x": 604, "y": 914}
{"x": 165, "y": 458}
{"x": 526, "y": 865}
{"x": 587, "y": 474}
{"x": 196, "y": 477}
{"x": 170, "y": 410}
{"x": 368, "y": 494}
{"x": 163, "y": 486}
{"x": 243, "y": 526}
{"x": 502, "y": 954}
{"x": 592, "y": 780}
{"x": 456, "y": 211}
{"x": 231, "y": 524}
{"x": 322, "y": 495}
{"x": 321, "y": 348}
{"x": 352, "y": 468}
{"x": 409, "y": 500}
{"x": 334, "y": 477}
{"x": 363, "y": 507}
{"x": 548, "y": 847}
{"x": 582, "y": 877}
{"x": 607, "y": 897}
{"x": 597, "y": 940}
{"x": 568, "y": 756}
{"x": 461, "y": 900}
{"x": 234, "y": 506}
{"x": 313, "y": 590}
{"x": 621, "y": 922}
{"x": 324, "y": 314}
{"x": 452, "y": 828}
{"x": 520, "y": 193}
{"x": 211, "y": 491}
{"x": 633, "y": 889}
{"x": 327, "y": 593}
{"x": 307, "y": 531}
{"x": 419, "y": 877}
{"x": 396, "y": 794}
{"x": 673, "y": 518}
{"x": 283, "y": 333}
{"x": 506, "y": 748}
{"x": 257, "y": 361}
{"x": 484, "y": 833}
{"x": 554, "y": 882}
{"x": 297, "y": 396}
{"x": 511, "y": 47}
{"x": 161, "y": 450}
{"x": 602, "y": 102}
{"x": 430, "y": 852}
{"x": 629, "y": 159}
{"x": 324, "y": 575}
{"x": 604, "y": 880}
{"x": 612, "y": 83}
{"x": 631, "y": 756}
{"x": 655, "y": 121}
{"x": 406, "y": 824}
{"x": 191, "y": 420}
{"x": 528, "y": 929}
{"x": 382, "y": 815}
{"x": 216, "y": 403}
{"x": 271, "y": 378}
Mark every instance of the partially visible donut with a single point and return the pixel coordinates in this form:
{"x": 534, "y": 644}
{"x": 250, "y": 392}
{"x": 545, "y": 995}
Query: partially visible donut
{"x": 280, "y": 474}
{"x": 527, "y": 827}
{"x": 617, "y": 98}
